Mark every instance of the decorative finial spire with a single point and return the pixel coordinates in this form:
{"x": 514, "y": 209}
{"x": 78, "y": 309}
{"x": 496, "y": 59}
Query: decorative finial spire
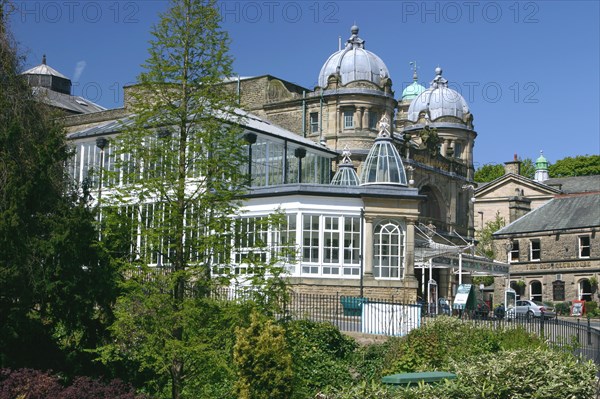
{"x": 414, "y": 65}
{"x": 44, "y": 59}
{"x": 346, "y": 156}
{"x": 438, "y": 81}
{"x": 384, "y": 127}
{"x": 354, "y": 40}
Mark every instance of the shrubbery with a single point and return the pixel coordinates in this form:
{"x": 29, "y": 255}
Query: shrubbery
{"x": 35, "y": 384}
{"x": 492, "y": 364}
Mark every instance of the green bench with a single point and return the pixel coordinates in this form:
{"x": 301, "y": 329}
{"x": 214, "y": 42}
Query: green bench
{"x": 429, "y": 377}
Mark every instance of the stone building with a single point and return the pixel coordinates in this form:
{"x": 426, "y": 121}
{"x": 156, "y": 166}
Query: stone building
{"x": 550, "y": 238}
{"x": 554, "y": 250}
{"x": 396, "y": 218}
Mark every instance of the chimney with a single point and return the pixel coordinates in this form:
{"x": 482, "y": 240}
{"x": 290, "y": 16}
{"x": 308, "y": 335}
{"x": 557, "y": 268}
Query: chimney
{"x": 513, "y": 166}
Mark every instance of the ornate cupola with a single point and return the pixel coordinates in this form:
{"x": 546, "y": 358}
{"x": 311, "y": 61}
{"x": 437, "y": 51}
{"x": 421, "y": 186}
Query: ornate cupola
{"x": 413, "y": 90}
{"x": 383, "y": 164}
{"x": 541, "y": 168}
{"x": 346, "y": 174}
{"x": 354, "y": 63}
{"x": 48, "y": 77}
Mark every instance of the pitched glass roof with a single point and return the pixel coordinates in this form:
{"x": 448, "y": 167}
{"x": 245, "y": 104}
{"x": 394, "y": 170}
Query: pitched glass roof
{"x": 383, "y": 164}
{"x": 345, "y": 175}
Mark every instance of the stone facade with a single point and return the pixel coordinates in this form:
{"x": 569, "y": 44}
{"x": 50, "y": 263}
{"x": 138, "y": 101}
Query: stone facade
{"x": 560, "y": 262}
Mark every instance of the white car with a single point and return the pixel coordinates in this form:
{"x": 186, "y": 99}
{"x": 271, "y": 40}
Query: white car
{"x": 534, "y": 309}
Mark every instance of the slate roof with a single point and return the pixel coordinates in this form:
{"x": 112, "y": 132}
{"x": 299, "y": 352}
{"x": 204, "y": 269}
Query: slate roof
{"x": 67, "y": 102}
{"x": 563, "y": 212}
{"x": 575, "y": 184}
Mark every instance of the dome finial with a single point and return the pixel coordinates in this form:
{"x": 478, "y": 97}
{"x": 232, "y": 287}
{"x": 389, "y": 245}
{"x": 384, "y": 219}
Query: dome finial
{"x": 354, "y": 40}
{"x": 346, "y": 155}
{"x": 438, "y": 81}
{"x": 44, "y": 59}
{"x": 384, "y": 127}
{"x": 414, "y": 65}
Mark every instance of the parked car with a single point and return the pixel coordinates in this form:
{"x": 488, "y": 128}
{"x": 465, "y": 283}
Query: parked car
{"x": 534, "y": 309}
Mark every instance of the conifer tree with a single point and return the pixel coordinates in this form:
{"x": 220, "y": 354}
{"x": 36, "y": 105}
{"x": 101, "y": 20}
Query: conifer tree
{"x": 52, "y": 282}
{"x": 178, "y": 177}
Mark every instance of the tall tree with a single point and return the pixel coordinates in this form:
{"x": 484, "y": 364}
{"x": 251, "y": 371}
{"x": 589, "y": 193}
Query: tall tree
{"x": 486, "y": 245}
{"x": 179, "y": 160}
{"x": 51, "y": 277}
{"x": 582, "y": 165}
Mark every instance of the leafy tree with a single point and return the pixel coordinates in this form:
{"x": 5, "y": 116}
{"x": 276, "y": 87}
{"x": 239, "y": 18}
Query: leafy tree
{"x": 54, "y": 288}
{"x": 488, "y": 172}
{"x": 180, "y": 155}
{"x": 581, "y": 165}
{"x": 486, "y": 243}
{"x": 527, "y": 168}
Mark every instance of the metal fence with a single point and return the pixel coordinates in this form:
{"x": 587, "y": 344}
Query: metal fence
{"x": 395, "y": 318}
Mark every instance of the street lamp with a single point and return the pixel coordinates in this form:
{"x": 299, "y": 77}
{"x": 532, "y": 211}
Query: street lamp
{"x": 101, "y": 143}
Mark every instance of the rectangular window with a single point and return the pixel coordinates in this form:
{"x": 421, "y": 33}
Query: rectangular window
{"x": 310, "y": 243}
{"x": 314, "y": 122}
{"x": 373, "y": 119}
{"x": 535, "y": 250}
{"x": 331, "y": 245}
{"x": 584, "y": 246}
{"x": 457, "y": 150}
{"x": 348, "y": 119}
{"x": 351, "y": 246}
{"x": 513, "y": 255}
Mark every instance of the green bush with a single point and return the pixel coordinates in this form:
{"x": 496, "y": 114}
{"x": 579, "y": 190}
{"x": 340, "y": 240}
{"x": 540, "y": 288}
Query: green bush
{"x": 533, "y": 373}
{"x": 563, "y": 308}
{"x": 320, "y": 354}
{"x": 591, "y": 309}
{"x": 264, "y": 364}
{"x": 434, "y": 344}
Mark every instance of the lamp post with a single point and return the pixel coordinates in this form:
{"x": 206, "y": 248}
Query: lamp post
{"x": 101, "y": 143}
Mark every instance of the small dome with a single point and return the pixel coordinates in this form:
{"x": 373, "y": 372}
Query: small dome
{"x": 354, "y": 63}
{"x": 345, "y": 175}
{"x": 383, "y": 164}
{"x": 412, "y": 91}
{"x": 438, "y": 100}
{"x": 541, "y": 163}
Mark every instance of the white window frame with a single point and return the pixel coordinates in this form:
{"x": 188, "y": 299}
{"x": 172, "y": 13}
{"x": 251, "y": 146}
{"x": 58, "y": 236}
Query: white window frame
{"x": 514, "y": 251}
{"x": 584, "y": 246}
{"x": 319, "y": 266}
{"x": 386, "y": 250}
{"x": 348, "y": 118}
{"x": 533, "y": 251}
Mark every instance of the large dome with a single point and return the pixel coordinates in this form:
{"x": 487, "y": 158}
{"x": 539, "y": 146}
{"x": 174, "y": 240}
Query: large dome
{"x": 438, "y": 100}
{"x": 354, "y": 63}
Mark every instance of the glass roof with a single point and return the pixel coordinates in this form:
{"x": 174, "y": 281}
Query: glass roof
{"x": 383, "y": 164}
{"x": 345, "y": 175}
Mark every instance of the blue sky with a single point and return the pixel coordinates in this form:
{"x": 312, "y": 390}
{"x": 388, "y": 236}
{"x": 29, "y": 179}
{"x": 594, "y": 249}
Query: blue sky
{"x": 529, "y": 70}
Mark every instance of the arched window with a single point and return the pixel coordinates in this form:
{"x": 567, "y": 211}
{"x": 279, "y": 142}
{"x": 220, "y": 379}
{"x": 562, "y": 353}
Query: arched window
{"x": 535, "y": 290}
{"x": 585, "y": 290}
{"x": 388, "y": 250}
